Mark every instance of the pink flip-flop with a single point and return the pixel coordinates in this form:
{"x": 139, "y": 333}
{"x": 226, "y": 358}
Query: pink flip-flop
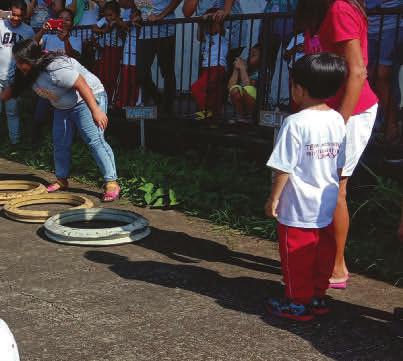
{"x": 59, "y": 185}
{"x": 339, "y": 283}
{"x": 110, "y": 196}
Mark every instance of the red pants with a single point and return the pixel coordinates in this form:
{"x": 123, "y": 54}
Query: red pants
{"x": 107, "y": 69}
{"x": 307, "y": 260}
{"x": 128, "y": 90}
{"x": 208, "y": 90}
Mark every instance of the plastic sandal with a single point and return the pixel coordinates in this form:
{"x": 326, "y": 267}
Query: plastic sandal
{"x": 339, "y": 283}
{"x": 110, "y": 196}
{"x": 59, "y": 185}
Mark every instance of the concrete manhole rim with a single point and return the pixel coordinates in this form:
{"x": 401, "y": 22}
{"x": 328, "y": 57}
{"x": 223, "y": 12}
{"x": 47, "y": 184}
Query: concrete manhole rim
{"x": 135, "y": 229}
{"x": 13, "y": 211}
{"x": 28, "y": 188}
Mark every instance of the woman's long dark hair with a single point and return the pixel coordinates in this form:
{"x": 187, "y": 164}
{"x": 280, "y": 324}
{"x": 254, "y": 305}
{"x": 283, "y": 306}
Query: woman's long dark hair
{"x": 30, "y": 52}
{"x": 310, "y": 14}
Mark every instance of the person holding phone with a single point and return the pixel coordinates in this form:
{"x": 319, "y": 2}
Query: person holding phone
{"x": 11, "y": 31}
{"x": 79, "y": 101}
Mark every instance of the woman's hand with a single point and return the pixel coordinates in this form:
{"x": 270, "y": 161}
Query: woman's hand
{"x": 220, "y": 15}
{"x": 154, "y": 18}
{"x": 100, "y": 118}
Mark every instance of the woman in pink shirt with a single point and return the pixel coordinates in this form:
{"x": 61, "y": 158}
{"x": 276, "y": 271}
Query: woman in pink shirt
{"x": 341, "y": 27}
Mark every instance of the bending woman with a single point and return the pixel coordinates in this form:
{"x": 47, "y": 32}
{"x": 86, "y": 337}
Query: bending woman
{"x": 341, "y": 27}
{"x": 80, "y": 102}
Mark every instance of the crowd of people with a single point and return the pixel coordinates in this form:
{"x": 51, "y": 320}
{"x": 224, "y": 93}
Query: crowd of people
{"x": 318, "y": 147}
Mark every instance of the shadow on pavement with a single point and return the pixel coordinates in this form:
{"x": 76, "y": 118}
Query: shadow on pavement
{"x": 351, "y": 332}
{"x": 181, "y": 247}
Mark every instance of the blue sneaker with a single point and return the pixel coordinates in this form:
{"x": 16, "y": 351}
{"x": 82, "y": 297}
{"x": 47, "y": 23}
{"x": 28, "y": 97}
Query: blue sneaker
{"x": 288, "y": 309}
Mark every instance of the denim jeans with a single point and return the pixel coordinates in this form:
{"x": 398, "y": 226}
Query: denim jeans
{"x": 64, "y": 123}
{"x": 13, "y": 120}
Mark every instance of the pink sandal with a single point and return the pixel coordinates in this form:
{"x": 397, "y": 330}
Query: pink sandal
{"x": 339, "y": 283}
{"x": 110, "y": 196}
{"x": 59, "y": 185}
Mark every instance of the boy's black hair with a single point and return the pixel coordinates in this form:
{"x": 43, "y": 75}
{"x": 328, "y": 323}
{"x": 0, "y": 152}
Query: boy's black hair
{"x": 113, "y": 6}
{"x": 320, "y": 74}
{"x": 19, "y": 4}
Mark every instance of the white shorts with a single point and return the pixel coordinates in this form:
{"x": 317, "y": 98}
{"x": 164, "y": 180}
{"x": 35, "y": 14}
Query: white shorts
{"x": 358, "y": 131}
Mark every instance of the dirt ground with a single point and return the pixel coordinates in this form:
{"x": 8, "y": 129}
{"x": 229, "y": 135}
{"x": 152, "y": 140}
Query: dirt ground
{"x": 190, "y": 291}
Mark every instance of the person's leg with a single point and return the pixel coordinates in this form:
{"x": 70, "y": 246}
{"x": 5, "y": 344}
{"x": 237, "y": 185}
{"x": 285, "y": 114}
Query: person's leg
{"x": 42, "y": 110}
{"x": 166, "y": 61}
{"x": 297, "y": 252}
{"x": 13, "y": 120}
{"x": 93, "y": 136}
{"x": 215, "y": 90}
{"x": 324, "y": 260}
{"x": 146, "y": 50}
{"x": 358, "y": 132}
{"x": 63, "y": 132}
{"x": 236, "y": 99}
{"x": 341, "y": 224}
{"x": 199, "y": 88}
{"x": 249, "y": 99}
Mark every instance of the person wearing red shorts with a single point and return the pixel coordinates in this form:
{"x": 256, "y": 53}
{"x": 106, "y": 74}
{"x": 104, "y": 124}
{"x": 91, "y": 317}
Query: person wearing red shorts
{"x": 308, "y": 158}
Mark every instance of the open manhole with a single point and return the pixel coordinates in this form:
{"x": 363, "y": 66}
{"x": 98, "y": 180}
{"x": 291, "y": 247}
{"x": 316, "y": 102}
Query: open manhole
{"x": 96, "y": 227}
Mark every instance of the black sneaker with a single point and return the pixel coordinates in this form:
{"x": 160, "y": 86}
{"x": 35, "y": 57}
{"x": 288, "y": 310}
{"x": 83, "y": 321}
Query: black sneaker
{"x": 319, "y": 306}
{"x": 290, "y": 310}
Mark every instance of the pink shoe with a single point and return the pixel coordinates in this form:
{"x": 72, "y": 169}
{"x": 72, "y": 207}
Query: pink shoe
{"x": 110, "y": 196}
{"x": 59, "y": 185}
{"x": 339, "y": 283}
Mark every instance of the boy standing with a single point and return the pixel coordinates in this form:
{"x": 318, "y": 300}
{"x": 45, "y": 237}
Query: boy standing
{"x": 11, "y": 31}
{"x": 308, "y": 158}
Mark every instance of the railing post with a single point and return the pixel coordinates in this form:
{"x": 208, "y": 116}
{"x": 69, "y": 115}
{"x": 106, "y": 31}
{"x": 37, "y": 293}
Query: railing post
{"x": 263, "y": 78}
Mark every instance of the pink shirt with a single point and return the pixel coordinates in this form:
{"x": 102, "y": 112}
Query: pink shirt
{"x": 345, "y": 22}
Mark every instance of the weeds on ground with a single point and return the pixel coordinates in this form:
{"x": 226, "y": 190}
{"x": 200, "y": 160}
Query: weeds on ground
{"x": 230, "y": 190}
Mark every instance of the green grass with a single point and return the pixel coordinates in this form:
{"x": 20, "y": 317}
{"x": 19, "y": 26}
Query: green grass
{"x": 225, "y": 187}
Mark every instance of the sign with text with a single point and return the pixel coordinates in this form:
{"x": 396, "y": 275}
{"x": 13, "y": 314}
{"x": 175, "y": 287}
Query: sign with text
{"x": 272, "y": 119}
{"x": 141, "y": 113}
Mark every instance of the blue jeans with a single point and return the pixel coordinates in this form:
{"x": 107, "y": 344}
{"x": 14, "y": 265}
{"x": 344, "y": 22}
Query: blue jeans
{"x": 80, "y": 117}
{"x": 13, "y": 120}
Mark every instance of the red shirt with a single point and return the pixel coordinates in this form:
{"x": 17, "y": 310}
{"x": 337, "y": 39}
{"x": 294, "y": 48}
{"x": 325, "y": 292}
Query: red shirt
{"x": 345, "y": 22}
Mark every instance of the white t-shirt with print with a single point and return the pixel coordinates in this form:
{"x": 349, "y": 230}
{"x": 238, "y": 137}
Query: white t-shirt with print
{"x": 52, "y": 42}
{"x": 311, "y": 148}
{"x": 10, "y": 35}
{"x": 215, "y": 50}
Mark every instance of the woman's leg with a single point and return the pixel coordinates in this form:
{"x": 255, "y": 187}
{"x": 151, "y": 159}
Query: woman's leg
{"x": 341, "y": 225}
{"x": 236, "y": 100}
{"x": 63, "y": 131}
{"x": 93, "y": 136}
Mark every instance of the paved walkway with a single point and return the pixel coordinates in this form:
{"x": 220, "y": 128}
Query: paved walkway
{"x": 188, "y": 292}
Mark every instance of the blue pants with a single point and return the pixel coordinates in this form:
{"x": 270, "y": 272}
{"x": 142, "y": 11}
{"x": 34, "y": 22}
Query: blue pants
{"x": 13, "y": 120}
{"x": 80, "y": 117}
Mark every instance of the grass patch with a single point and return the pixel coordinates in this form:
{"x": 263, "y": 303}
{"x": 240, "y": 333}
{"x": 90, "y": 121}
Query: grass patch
{"x": 225, "y": 187}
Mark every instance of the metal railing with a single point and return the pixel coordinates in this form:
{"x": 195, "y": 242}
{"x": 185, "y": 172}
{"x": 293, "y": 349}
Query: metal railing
{"x": 272, "y": 31}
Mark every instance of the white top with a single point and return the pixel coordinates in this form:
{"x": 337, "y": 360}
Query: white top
{"x": 311, "y": 148}
{"x": 52, "y": 42}
{"x": 90, "y": 14}
{"x": 10, "y": 35}
{"x": 215, "y": 50}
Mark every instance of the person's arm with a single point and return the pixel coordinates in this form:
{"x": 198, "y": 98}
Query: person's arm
{"x": 221, "y": 14}
{"x": 281, "y": 179}
{"x": 233, "y": 80}
{"x": 357, "y": 75}
{"x": 39, "y": 35}
{"x": 30, "y": 8}
{"x": 72, "y": 6}
{"x": 169, "y": 9}
{"x": 189, "y": 7}
{"x": 6, "y": 94}
{"x": 69, "y": 50}
{"x": 88, "y": 96}
{"x": 243, "y": 73}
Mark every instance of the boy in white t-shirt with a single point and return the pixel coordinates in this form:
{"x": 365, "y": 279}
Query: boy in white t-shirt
{"x": 307, "y": 159}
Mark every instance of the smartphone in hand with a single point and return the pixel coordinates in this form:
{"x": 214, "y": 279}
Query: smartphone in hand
{"x": 55, "y": 24}
{"x": 5, "y": 14}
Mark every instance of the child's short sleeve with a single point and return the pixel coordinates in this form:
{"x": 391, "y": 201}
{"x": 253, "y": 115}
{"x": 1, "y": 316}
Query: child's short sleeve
{"x": 341, "y": 158}
{"x": 286, "y": 151}
{"x": 63, "y": 73}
